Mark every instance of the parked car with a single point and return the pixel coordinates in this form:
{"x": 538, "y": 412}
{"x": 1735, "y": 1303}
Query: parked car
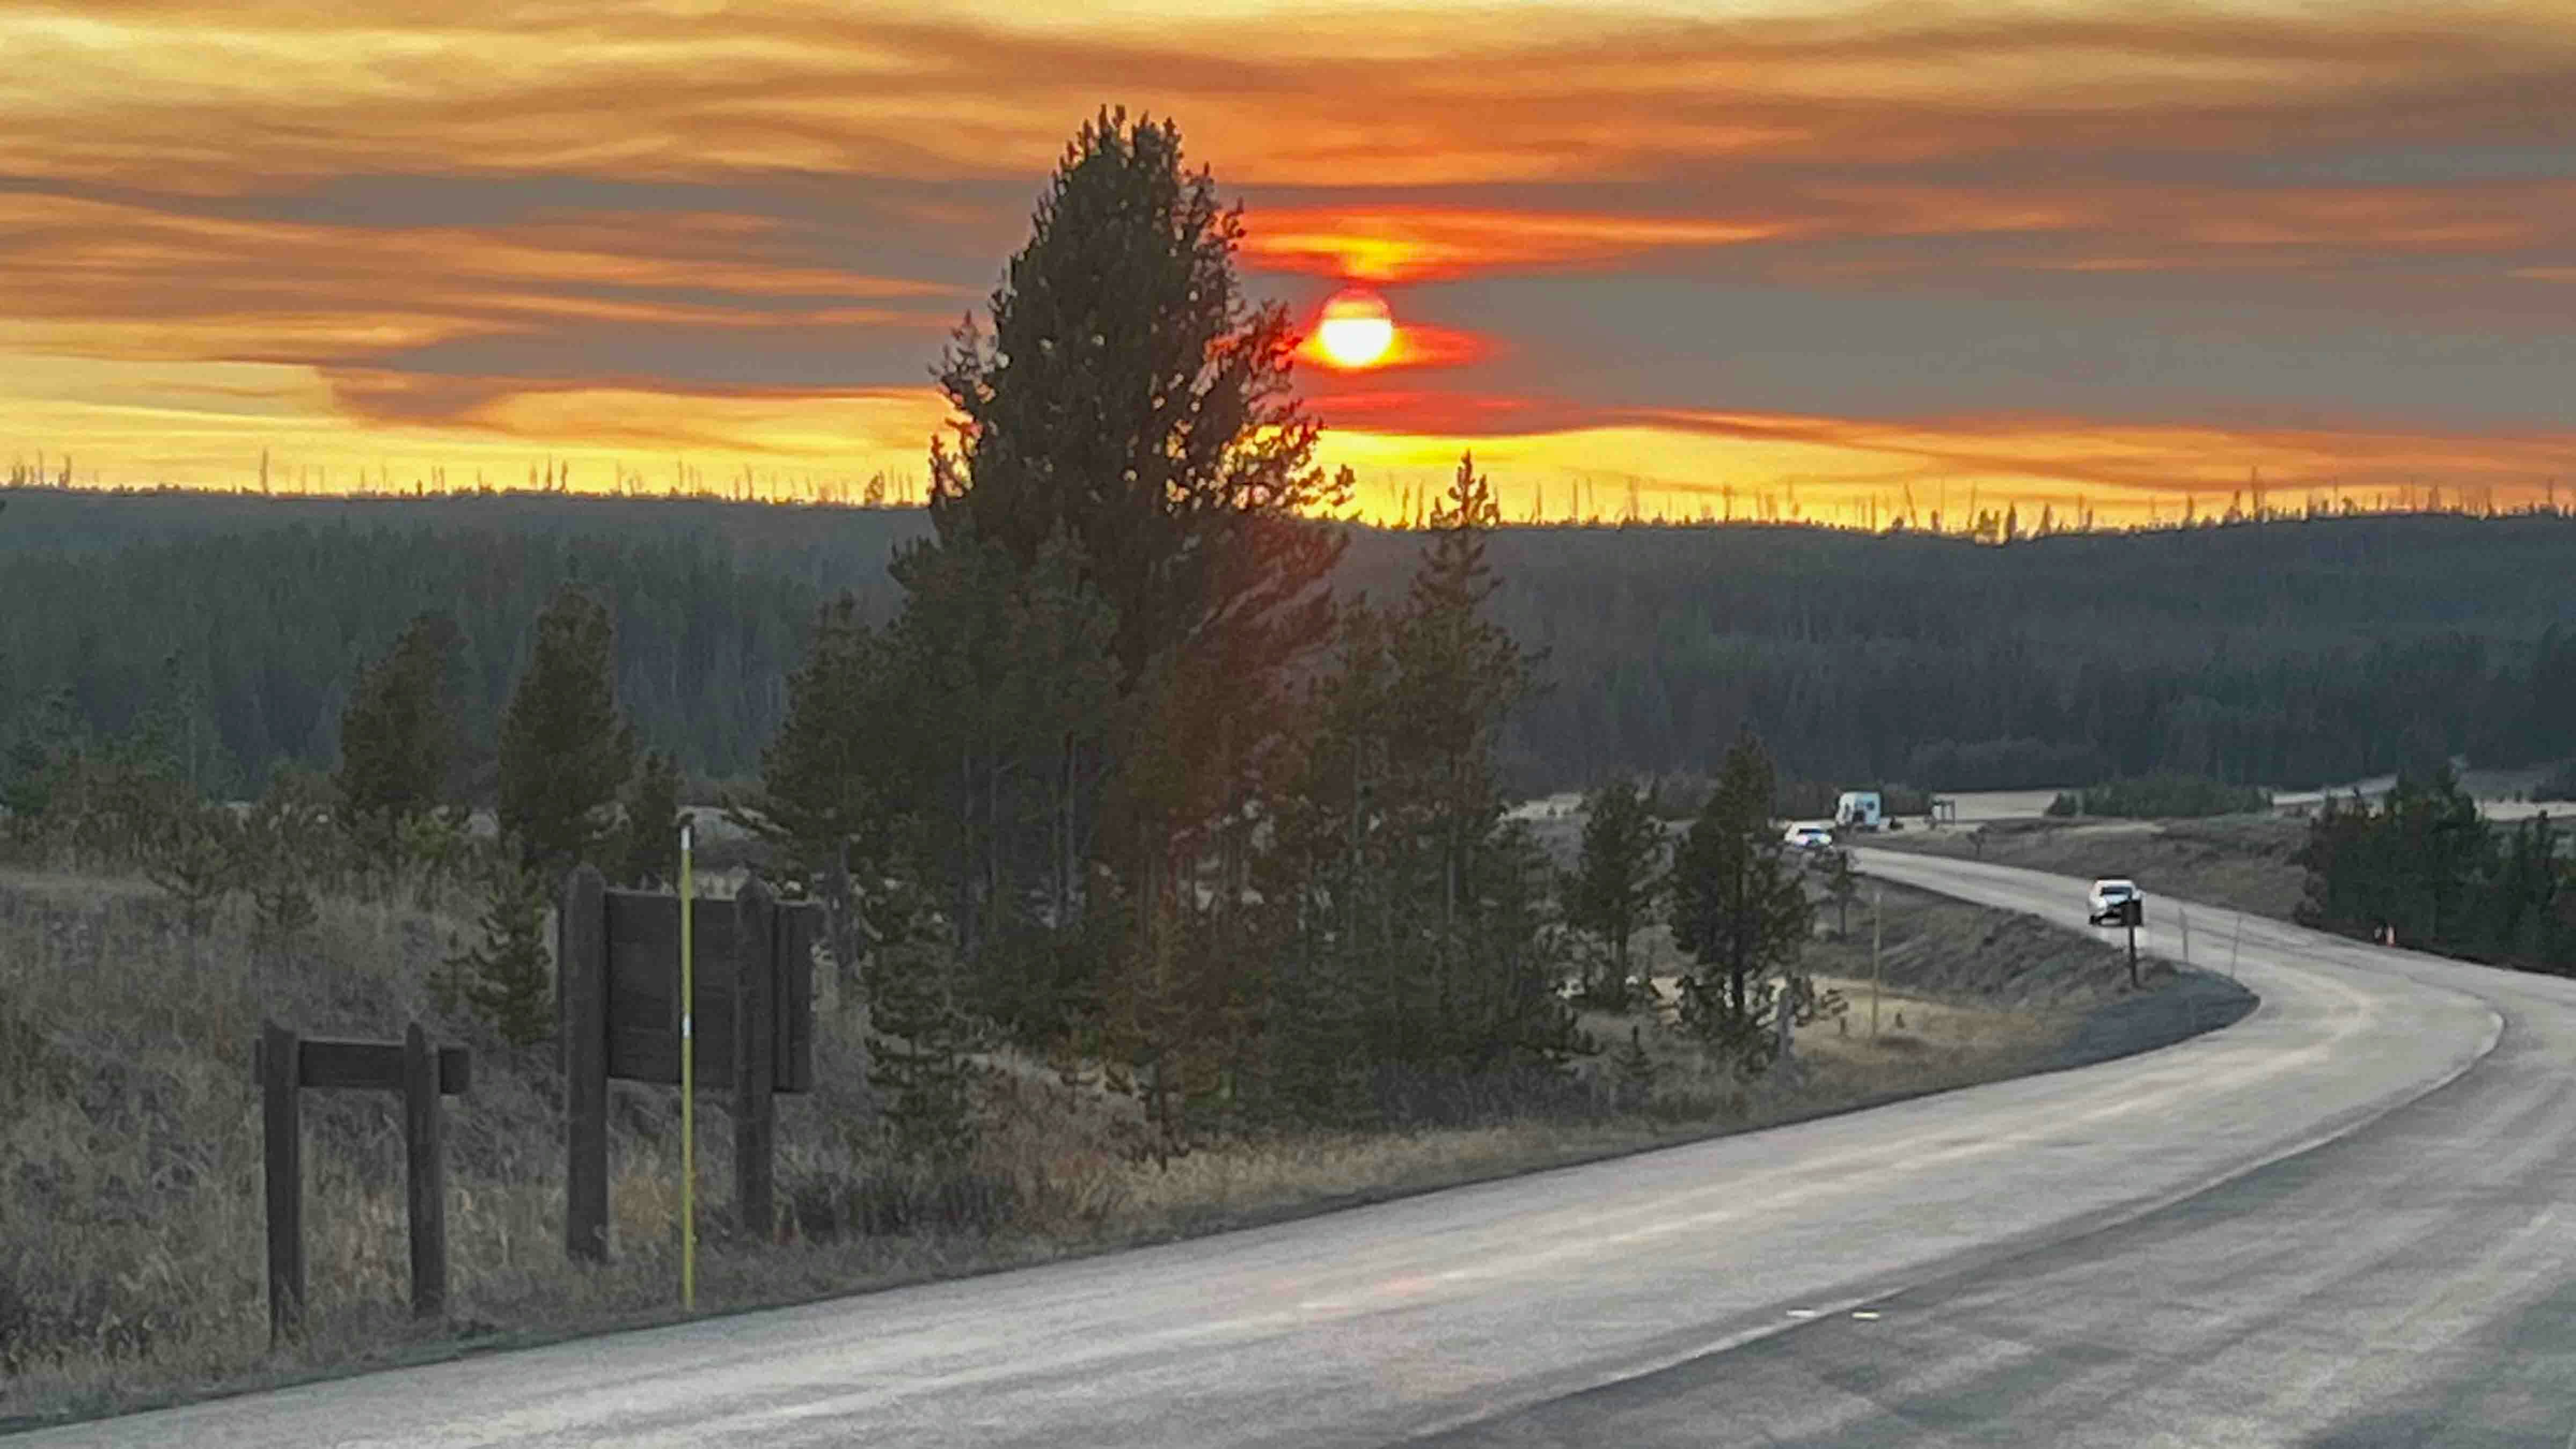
{"x": 2110, "y": 899}
{"x": 1805, "y": 836}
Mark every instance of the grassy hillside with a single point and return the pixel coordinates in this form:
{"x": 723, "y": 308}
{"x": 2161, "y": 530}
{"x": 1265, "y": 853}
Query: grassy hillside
{"x": 130, "y": 1156}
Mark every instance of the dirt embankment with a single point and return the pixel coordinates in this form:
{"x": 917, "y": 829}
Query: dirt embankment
{"x": 2060, "y": 997}
{"x": 2001, "y": 961}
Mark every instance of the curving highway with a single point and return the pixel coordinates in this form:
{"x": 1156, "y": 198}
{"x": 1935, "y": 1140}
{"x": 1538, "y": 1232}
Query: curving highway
{"x": 2339, "y": 1221}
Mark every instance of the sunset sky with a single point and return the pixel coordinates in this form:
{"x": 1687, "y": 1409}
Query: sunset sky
{"x": 1840, "y": 255}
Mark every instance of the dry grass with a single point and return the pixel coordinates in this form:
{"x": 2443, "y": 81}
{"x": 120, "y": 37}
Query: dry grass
{"x": 130, "y": 1157}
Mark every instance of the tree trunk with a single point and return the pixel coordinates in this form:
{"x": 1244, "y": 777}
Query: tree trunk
{"x": 1063, "y": 891}
{"x": 1781, "y": 1014}
{"x": 994, "y": 845}
{"x": 967, "y": 938}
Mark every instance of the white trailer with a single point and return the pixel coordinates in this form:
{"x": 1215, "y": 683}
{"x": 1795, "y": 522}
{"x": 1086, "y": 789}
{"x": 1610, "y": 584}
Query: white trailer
{"x": 1859, "y": 810}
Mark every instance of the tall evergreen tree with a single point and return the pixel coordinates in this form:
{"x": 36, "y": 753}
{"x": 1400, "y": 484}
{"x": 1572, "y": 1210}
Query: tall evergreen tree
{"x": 1133, "y": 399}
{"x": 43, "y": 760}
{"x": 1420, "y": 905}
{"x": 398, "y": 737}
{"x": 565, "y": 753}
{"x": 833, "y": 781}
{"x": 1329, "y": 878}
{"x": 1132, "y": 409}
{"x": 2437, "y": 832}
{"x": 1459, "y": 677}
{"x": 649, "y": 834}
{"x": 827, "y": 779}
{"x": 1002, "y": 734}
{"x": 1739, "y": 908}
{"x": 1616, "y": 880}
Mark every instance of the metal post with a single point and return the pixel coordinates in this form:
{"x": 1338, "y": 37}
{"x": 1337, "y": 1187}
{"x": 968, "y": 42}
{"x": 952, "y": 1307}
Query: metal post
{"x": 2184, "y": 917}
{"x": 688, "y": 1090}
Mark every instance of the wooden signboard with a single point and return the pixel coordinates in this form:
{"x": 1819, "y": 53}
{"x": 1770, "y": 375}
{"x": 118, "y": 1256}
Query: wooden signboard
{"x": 643, "y": 988}
{"x": 619, "y": 1003}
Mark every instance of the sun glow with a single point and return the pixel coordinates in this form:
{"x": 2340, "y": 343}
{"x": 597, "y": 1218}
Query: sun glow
{"x": 1356, "y": 330}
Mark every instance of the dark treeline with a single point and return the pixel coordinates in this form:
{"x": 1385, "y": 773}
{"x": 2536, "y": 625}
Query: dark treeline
{"x": 257, "y": 639}
{"x": 2286, "y": 654}
{"x": 2423, "y": 867}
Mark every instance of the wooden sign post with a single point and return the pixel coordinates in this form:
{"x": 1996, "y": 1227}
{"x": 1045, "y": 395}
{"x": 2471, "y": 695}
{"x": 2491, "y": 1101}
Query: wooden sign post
{"x": 283, "y": 1063}
{"x": 751, "y": 1019}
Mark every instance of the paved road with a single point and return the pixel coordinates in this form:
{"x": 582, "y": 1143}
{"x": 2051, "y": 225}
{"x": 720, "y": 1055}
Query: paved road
{"x": 2155, "y": 1250}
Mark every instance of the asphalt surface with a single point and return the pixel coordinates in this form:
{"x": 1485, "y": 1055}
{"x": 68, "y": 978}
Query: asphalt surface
{"x": 2336, "y": 1221}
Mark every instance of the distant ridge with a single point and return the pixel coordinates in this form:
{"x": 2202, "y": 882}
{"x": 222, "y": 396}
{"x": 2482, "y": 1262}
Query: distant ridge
{"x": 2287, "y": 652}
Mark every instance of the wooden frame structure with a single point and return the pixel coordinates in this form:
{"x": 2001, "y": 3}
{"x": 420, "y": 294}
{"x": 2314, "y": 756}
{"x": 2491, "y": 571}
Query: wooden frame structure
{"x": 284, "y": 1063}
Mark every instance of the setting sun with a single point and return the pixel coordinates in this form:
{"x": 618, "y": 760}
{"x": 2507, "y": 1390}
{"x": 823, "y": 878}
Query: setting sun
{"x": 1356, "y": 331}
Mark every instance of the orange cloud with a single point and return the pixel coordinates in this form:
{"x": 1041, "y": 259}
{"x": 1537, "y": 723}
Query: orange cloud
{"x": 1424, "y": 243}
{"x": 1870, "y": 146}
{"x": 2092, "y": 224}
{"x": 160, "y": 94}
{"x": 153, "y": 422}
{"x": 95, "y": 278}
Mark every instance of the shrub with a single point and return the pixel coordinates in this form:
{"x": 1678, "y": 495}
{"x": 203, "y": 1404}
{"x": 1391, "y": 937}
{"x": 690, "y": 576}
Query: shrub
{"x": 196, "y": 854}
{"x": 509, "y": 978}
{"x": 289, "y": 846}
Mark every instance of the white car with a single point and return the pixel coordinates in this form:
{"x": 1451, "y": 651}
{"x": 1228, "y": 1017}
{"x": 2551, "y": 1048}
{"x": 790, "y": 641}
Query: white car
{"x": 1807, "y": 837}
{"x": 2109, "y": 898}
